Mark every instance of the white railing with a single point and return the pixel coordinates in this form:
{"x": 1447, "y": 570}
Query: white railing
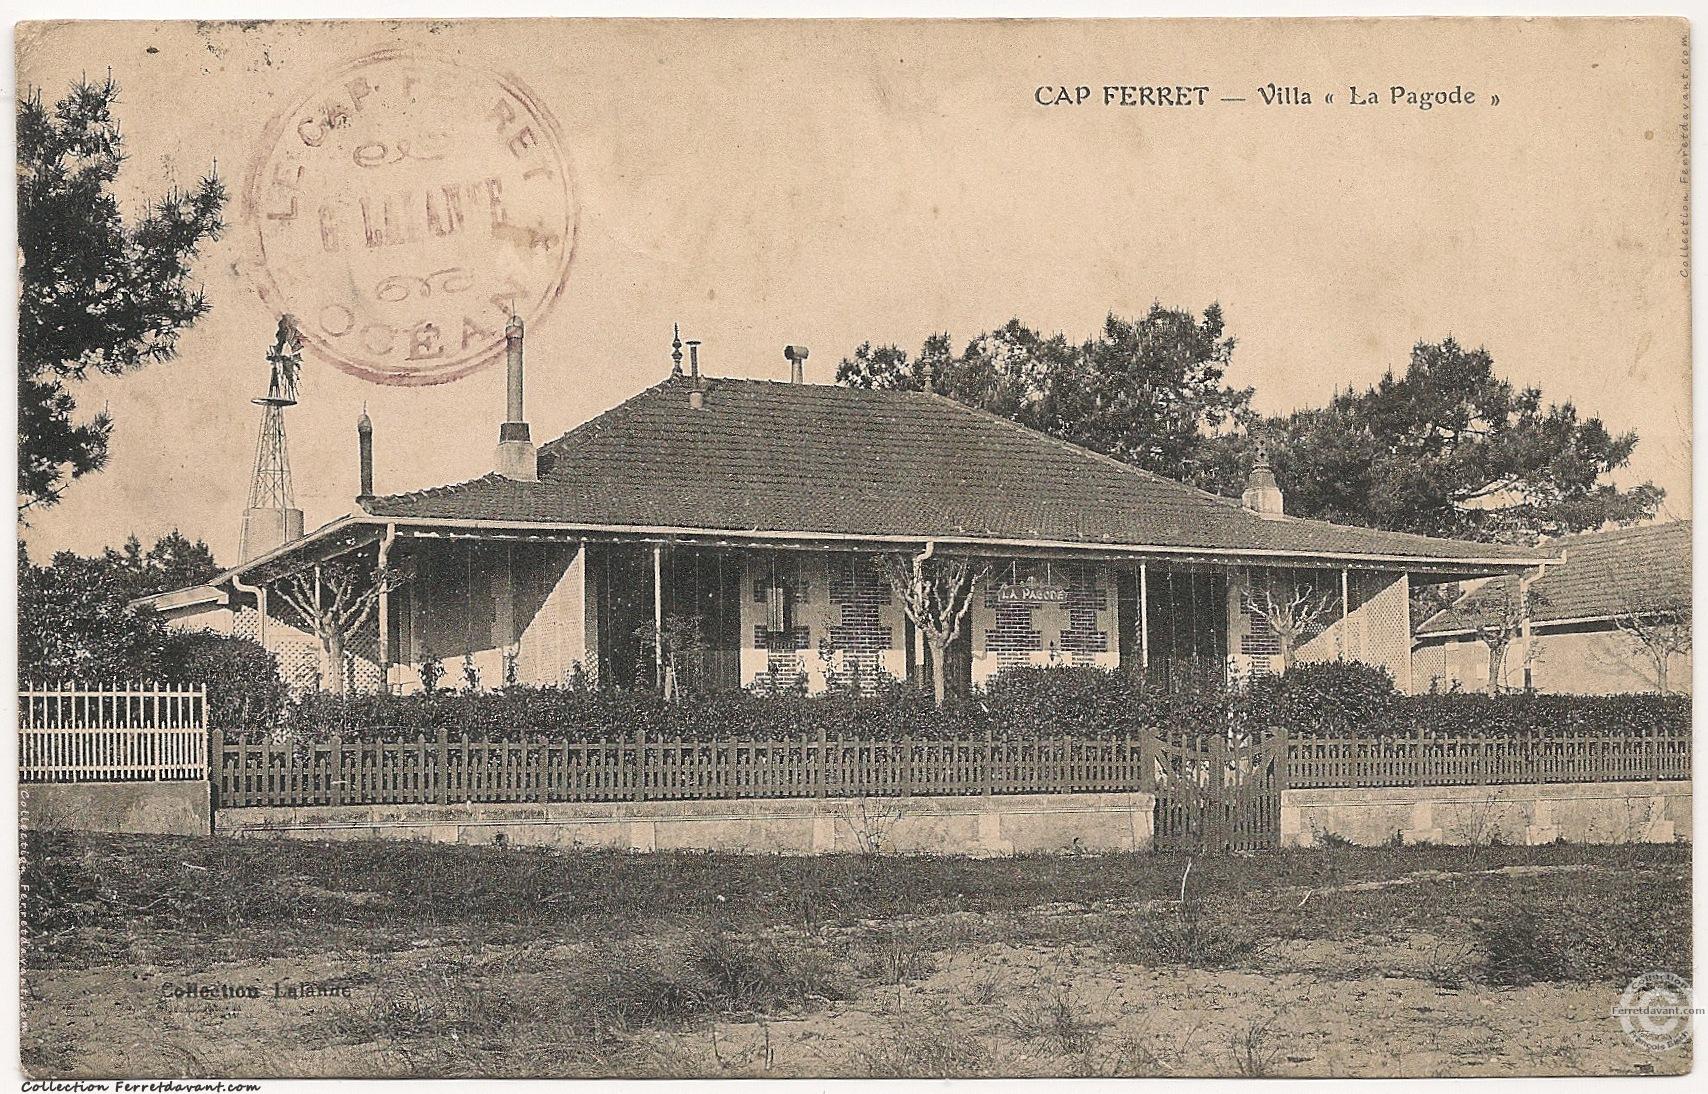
{"x": 73, "y": 733}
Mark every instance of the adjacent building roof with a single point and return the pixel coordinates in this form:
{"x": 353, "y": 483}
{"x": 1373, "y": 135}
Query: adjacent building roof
{"x": 830, "y": 461}
{"x": 1600, "y": 575}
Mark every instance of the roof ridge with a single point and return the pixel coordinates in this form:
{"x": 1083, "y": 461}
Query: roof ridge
{"x": 593, "y": 424}
{"x": 432, "y": 491}
{"x": 1152, "y": 476}
{"x": 1602, "y": 534}
{"x": 1081, "y": 450}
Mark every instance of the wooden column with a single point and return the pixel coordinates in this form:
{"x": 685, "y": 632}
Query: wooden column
{"x": 1523, "y": 628}
{"x": 1405, "y": 620}
{"x": 323, "y": 653}
{"x": 658, "y": 610}
{"x": 381, "y": 562}
{"x": 1345, "y": 639}
{"x": 1144, "y": 618}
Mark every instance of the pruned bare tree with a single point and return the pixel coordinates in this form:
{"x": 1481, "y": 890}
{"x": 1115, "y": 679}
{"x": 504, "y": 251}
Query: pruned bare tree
{"x": 1498, "y": 619}
{"x": 1661, "y": 631}
{"x": 348, "y": 591}
{"x": 937, "y": 594}
{"x": 1290, "y": 615}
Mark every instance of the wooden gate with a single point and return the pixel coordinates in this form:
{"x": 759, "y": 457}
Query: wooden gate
{"x": 1216, "y": 793}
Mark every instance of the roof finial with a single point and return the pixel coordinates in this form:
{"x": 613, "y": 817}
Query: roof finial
{"x": 675, "y": 349}
{"x": 1262, "y": 494}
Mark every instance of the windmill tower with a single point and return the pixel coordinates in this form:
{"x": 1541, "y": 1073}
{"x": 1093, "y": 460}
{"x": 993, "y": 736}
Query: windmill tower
{"x": 271, "y": 517}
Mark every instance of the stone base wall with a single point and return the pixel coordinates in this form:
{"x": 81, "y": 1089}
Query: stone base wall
{"x": 1527, "y": 814}
{"x": 157, "y": 808}
{"x": 997, "y": 825}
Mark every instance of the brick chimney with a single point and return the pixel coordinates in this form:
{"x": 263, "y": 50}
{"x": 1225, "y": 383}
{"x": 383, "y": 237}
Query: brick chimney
{"x": 1262, "y": 496}
{"x": 696, "y": 382}
{"x": 516, "y": 456}
{"x": 365, "y": 455}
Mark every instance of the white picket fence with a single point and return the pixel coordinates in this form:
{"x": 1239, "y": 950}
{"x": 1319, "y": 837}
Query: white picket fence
{"x": 74, "y": 733}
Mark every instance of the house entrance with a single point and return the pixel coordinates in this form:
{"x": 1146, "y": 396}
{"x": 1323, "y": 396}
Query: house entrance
{"x": 701, "y": 610}
{"x": 1218, "y": 793}
{"x": 702, "y": 613}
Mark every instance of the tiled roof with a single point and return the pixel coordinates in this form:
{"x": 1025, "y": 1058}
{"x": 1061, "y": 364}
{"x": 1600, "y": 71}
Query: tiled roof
{"x": 830, "y": 460}
{"x": 1601, "y": 574}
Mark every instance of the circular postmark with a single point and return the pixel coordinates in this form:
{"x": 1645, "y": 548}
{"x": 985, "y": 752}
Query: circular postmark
{"x": 1656, "y": 1010}
{"x": 404, "y": 209}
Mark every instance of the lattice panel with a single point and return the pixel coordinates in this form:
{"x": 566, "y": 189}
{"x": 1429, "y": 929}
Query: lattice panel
{"x": 298, "y": 654}
{"x": 1385, "y": 628}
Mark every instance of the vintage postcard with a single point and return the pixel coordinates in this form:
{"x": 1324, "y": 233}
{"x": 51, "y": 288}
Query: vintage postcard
{"x": 841, "y": 549}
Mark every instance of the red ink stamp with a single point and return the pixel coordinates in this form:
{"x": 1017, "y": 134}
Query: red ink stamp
{"x": 404, "y": 209}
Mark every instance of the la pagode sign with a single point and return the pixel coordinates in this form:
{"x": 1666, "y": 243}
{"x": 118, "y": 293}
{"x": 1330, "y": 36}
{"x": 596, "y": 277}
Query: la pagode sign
{"x": 1031, "y": 593}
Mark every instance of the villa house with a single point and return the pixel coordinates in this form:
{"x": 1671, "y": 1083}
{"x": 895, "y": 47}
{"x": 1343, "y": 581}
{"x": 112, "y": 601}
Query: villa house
{"x": 749, "y": 515}
{"x": 1605, "y": 617}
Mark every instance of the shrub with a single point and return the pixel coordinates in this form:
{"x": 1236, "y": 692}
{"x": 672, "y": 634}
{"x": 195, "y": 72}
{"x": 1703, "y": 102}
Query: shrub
{"x": 1079, "y": 701}
{"x": 1514, "y": 950}
{"x": 1535, "y": 715}
{"x": 244, "y": 690}
{"x": 1072, "y": 702}
{"x": 1330, "y": 698}
{"x": 1338, "y": 700}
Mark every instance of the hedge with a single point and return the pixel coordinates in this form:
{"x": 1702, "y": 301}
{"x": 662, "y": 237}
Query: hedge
{"x": 244, "y": 690}
{"x": 1334, "y": 701}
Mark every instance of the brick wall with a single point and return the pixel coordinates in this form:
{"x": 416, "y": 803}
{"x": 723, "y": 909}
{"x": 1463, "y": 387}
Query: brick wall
{"x": 779, "y": 660}
{"x": 1089, "y": 620}
{"x": 864, "y": 632}
{"x": 1080, "y": 631}
{"x": 1010, "y": 631}
{"x": 842, "y": 605}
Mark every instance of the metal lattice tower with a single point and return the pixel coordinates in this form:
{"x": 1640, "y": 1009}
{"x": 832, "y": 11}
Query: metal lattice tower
{"x": 270, "y": 486}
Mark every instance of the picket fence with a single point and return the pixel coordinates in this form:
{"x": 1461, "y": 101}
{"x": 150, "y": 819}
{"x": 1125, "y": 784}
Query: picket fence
{"x": 78, "y": 733}
{"x": 1423, "y": 760}
{"x": 71, "y": 733}
{"x": 1193, "y": 772}
{"x": 454, "y": 769}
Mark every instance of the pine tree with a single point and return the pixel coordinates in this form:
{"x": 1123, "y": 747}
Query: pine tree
{"x": 96, "y": 294}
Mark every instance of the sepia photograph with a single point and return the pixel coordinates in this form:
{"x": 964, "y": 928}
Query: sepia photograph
{"x": 853, "y": 548}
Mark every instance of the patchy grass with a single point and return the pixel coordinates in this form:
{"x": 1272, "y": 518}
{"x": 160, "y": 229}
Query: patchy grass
{"x": 1057, "y": 1022}
{"x": 516, "y": 962}
{"x": 1255, "y": 1051}
{"x": 536, "y": 1012}
{"x": 925, "y": 1046}
{"x": 1184, "y": 933}
{"x": 91, "y": 898}
{"x": 896, "y": 960}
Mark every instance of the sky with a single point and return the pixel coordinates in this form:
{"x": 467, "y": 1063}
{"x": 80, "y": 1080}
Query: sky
{"x": 828, "y": 183}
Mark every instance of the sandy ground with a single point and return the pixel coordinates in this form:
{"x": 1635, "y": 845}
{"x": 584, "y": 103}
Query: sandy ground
{"x": 1315, "y": 1009}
